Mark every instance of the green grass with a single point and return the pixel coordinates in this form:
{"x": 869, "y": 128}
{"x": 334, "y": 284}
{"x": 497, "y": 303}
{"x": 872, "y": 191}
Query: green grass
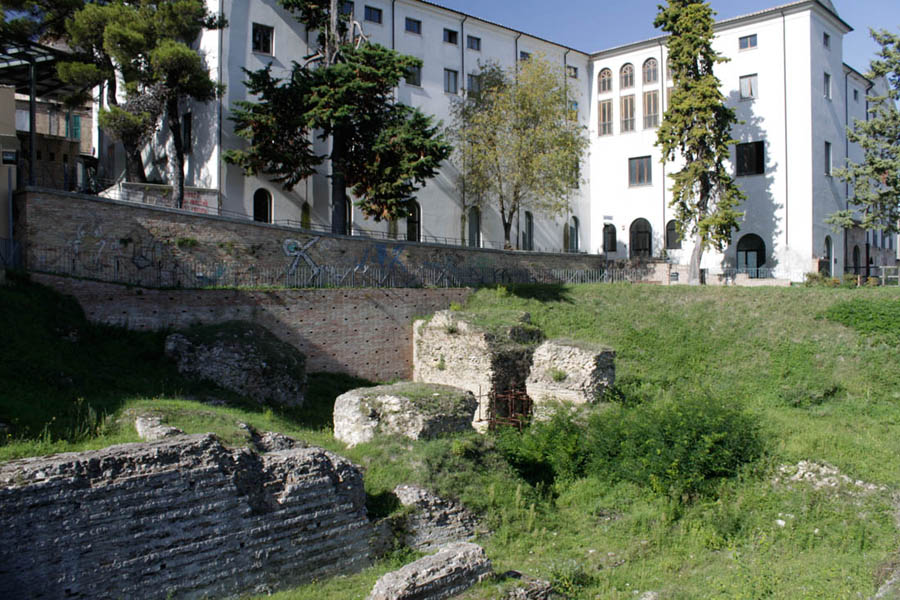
{"x": 815, "y": 369}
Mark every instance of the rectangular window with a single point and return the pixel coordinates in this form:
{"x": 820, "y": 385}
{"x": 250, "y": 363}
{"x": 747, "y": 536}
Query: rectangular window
{"x": 826, "y": 83}
{"x": 749, "y": 87}
{"x": 414, "y": 26}
{"x": 347, "y": 8}
{"x": 186, "y": 133}
{"x": 639, "y": 171}
{"x": 627, "y": 113}
{"x": 524, "y": 55}
{"x": 451, "y": 37}
{"x": 856, "y": 95}
{"x": 828, "y": 158}
{"x": 414, "y": 76}
{"x": 73, "y": 126}
{"x": 751, "y": 159}
{"x": 651, "y": 109}
{"x": 372, "y": 14}
{"x": 747, "y": 42}
{"x": 826, "y": 40}
{"x": 473, "y": 83}
{"x": 605, "y": 126}
{"x": 572, "y": 71}
{"x": 262, "y": 38}
{"x": 473, "y": 43}
{"x": 451, "y": 81}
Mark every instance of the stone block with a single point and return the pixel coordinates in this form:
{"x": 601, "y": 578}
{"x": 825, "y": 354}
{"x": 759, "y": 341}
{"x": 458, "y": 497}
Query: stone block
{"x": 454, "y": 569}
{"x": 436, "y": 521}
{"x": 151, "y": 428}
{"x": 570, "y": 372}
{"x": 414, "y": 410}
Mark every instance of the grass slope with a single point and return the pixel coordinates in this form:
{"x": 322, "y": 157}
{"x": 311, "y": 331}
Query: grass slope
{"x": 820, "y": 389}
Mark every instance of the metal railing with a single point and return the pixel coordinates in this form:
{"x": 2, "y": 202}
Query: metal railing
{"x": 158, "y": 269}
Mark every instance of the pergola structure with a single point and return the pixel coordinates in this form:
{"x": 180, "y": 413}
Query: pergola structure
{"x": 31, "y": 68}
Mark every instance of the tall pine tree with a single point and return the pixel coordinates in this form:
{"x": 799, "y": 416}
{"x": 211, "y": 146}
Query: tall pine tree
{"x": 876, "y": 180}
{"x": 696, "y": 129}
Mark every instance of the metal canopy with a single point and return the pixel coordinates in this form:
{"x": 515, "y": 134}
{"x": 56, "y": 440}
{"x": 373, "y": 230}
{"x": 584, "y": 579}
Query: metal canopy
{"x": 16, "y": 60}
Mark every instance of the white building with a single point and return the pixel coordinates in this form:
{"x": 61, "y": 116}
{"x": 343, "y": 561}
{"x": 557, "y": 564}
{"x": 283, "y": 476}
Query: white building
{"x": 786, "y": 79}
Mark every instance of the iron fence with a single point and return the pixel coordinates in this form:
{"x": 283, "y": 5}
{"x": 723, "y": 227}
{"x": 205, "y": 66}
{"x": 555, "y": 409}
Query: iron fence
{"x": 158, "y": 269}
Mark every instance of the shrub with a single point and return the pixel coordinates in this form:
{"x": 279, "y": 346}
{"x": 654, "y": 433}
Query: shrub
{"x": 873, "y": 282}
{"x": 547, "y": 451}
{"x": 558, "y": 375}
{"x": 849, "y": 281}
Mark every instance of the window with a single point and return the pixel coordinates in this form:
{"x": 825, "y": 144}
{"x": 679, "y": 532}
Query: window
{"x": 451, "y": 37}
{"x": 751, "y": 159}
{"x": 626, "y": 77}
{"x": 641, "y": 239}
{"x": 651, "y": 71}
{"x": 749, "y": 87}
{"x": 574, "y": 236}
{"x": 347, "y": 8}
{"x": 473, "y": 43}
{"x": 524, "y": 55}
{"x": 673, "y": 240}
{"x": 826, "y": 84}
{"x": 572, "y": 71}
{"x": 856, "y": 95}
{"x": 604, "y": 127}
{"x": 414, "y": 222}
{"x": 451, "y": 81}
{"x": 187, "y": 136}
{"x": 747, "y": 42}
{"x": 609, "y": 238}
{"x": 639, "y": 171}
{"x": 473, "y": 83}
{"x": 651, "y": 109}
{"x": 669, "y": 69}
{"x": 828, "y": 158}
{"x": 262, "y": 38}
{"x": 528, "y": 234}
{"x": 826, "y": 40}
{"x": 262, "y": 206}
{"x": 414, "y": 26}
{"x": 73, "y": 126}
{"x": 372, "y": 14}
{"x": 474, "y": 227}
{"x": 627, "y": 114}
{"x": 604, "y": 81}
{"x": 414, "y": 75}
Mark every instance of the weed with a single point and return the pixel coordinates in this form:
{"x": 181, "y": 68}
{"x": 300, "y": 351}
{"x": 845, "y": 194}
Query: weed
{"x": 441, "y": 364}
{"x": 186, "y": 243}
{"x": 557, "y": 375}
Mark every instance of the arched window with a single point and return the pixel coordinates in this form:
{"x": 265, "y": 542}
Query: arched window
{"x": 474, "y": 227}
{"x": 673, "y": 240}
{"x": 262, "y": 206}
{"x": 305, "y": 216}
{"x": 641, "y": 239}
{"x": 651, "y": 71}
{"x": 669, "y": 68}
{"x": 528, "y": 234}
{"x": 574, "y": 235}
{"x": 414, "y": 222}
{"x": 828, "y": 255}
{"x": 856, "y": 260}
{"x": 604, "y": 82}
{"x": 609, "y": 238}
{"x": 348, "y": 216}
{"x": 751, "y": 254}
{"x": 626, "y": 76}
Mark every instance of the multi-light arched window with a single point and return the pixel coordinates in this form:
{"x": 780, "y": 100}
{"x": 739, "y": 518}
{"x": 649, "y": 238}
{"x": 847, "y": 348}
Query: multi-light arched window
{"x": 604, "y": 82}
{"x": 751, "y": 254}
{"x": 641, "y": 242}
{"x": 574, "y": 236}
{"x": 673, "y": 241}
{"x": 414, "y": 222}
{"x": 651, "y": 71}
{"x": 626, "y": 76}
{"x": 609, "y": 238}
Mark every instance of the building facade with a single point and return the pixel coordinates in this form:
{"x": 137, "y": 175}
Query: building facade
{"x": 786, "y": 79}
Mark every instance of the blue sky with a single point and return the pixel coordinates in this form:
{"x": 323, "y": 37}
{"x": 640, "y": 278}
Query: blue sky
{"x": 592, "y": 25}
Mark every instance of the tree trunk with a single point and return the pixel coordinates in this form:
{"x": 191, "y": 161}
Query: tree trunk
{"x": 134, "y": 164}
{"x": 174, "y": 118}
{"x": 696, "y": 257}
{"x": 339, "y": 222}
{"x": 507, "y": 230}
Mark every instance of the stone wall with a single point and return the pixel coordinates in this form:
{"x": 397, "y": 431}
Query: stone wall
{"x": 183, "y": 518}
{"x": 362, "y": 332}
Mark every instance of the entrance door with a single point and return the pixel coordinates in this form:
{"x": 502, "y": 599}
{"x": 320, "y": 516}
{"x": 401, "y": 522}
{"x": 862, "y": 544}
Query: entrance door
{"x": 751, "y": 255}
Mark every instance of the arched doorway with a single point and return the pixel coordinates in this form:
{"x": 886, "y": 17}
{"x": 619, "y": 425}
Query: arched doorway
{"x": 414, "y": 222}
{"x": 828, "y": 252}
{"x": 751, "y": 254}
{"x": 262, "y": 206}
{"x": 474, "y": 227}
{"x": 641, "y": 239}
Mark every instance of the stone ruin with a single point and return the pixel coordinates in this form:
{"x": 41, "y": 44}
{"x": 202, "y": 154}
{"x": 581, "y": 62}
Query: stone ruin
{"x": 183, "y": 517}
{"x": 452, "y": 570}
{"x": 435, "y": 520}
{"x": 451, "y": 349}
{"x": 413, "y": 410}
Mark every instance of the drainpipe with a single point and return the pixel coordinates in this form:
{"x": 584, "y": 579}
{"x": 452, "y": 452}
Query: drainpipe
{"x": 393, "y": 25}
{"x": 32, "y": 114}
{"x": 868, "y": 89}
{"x": 462, "y": 46}
{"x": 663, "y": 107}
{"x": 787, "y": 188}
{"x": 516, "y": 57}
{"x": 566, "y": 109}
{"x": 219, "y": 160}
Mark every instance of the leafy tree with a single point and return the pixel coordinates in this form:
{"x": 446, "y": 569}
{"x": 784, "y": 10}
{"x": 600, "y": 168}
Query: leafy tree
{"x": 383, "y": 151}
{"x": 32, "y": 20}
{"x": 876, "y": 180}
{"x": 696, "y": 128}
{"x": 522, "y": 148}
{"x": 145, "y": 46}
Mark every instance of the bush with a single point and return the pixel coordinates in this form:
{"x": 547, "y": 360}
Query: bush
{"x": 679, "y": 448}
{"x": 547, "y": 451}
{"x": 849, "y": 281}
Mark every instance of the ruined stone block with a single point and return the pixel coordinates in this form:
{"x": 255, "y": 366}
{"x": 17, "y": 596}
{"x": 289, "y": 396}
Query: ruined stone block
{"x": 454, "y": 569}
{"x": 567, "y": 371}
{"x": 436, "y": 521}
